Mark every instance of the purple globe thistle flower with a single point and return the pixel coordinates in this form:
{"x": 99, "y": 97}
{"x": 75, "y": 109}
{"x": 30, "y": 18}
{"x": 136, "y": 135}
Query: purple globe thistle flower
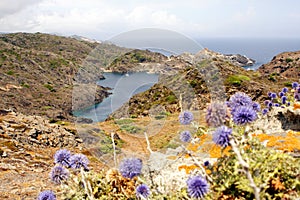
{"x": 265, "y": 111}
{"x": 270, "y": 104}
{"x": 273, "y": 95}
{"x": 280, "y": 94}
{"x": 269, "y": 94}
{"x": 131, "y": 167}
{"x": 197, "y": 187}
{"x": 244, "y": 115}
{"x": 295, "y": 85}
{"x": 59, "y": 174}
{"x": 79, "y": 160}
{"x": 216, "y": 114}
{"x": 185, "y": 136}
{"x": 221, "y": 136}
{"x": 256, "y": 106}
{"x": 285, "y": 90}
{"x": 186, "y": 117}
{"x": 47, "y": 195}
{"x": 266, "y": 102}
{"x": 142, "y": 191}
{"x": 288, "y": 103}
{"x": 239, "y": 99}
{"x": 206, "y": 163}
{"x": 298, "y": 90}
{"x": 62, "y": 157}
{"x": 276, "y": 104}
{"x": 283, "y": 99}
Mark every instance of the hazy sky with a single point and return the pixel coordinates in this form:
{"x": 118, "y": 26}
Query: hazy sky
{"x": 195, "y": 18}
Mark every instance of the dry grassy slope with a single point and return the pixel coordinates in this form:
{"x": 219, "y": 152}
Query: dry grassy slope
{"x": 283, "y": 66}
{"x": 37, "y": 72}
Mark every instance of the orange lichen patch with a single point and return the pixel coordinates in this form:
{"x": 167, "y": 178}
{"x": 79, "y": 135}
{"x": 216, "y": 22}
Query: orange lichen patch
{"x": 217, "y": 152}
{"x": 187, "y": 168}
{"x": 208, "y": 171}
{"x": 288, "y": 143}
{"x": 195, "y": 147}
{"x": 276, "y": 184}
{"x": 296, "y": 106}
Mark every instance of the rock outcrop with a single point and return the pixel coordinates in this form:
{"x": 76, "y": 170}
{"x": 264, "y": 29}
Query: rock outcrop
{"x": 235, "y": 59}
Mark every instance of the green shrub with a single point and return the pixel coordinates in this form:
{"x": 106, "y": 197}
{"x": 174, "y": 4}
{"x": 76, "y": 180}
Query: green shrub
{"x": 289, "y": 60}
{"x": 171, "y": 98}
{"x": 49, "y": 87}
{"x": 268, "y": 167}
{"x": 10, "y": 72}
{"x": 237, "y": 79}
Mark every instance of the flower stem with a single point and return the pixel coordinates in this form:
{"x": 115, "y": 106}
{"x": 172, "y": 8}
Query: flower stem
{"x": 245, "y": 167}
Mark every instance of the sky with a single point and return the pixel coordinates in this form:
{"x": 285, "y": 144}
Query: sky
{"x": 101, "y": 20}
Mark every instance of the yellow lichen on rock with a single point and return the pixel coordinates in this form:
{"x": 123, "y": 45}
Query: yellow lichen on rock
{"x": 290, "y": 142}
{"x": 187, "y": 168}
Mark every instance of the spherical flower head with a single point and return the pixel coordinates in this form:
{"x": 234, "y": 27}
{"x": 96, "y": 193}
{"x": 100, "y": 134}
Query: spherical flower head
{"x": 270, "y": 104}
{"x": 244, "y": 115}
{"x": 142, "y": 191}
{"x": 221, "y": 136}
{"x": 280, "y": 94}
{"x": 269, "y": 94}
{"x": 131, "y": 167}
{"x": 273, "y": 95}
{"x": 295, "y": 85}
{"x": 216, "y": 114}
{"x": 79, "y": 160}
{"x": 266, "y": 102}
{"x": 239, "y": 99}
{"x": 265, "y": 111}
{"x": 256, "y": 106}
{"x": 285, "y": 90}
{"x": 47, "y": 195}
{"x": 206, "y": 163}
{"x": 197, "y": 187}
{"x": 283, "y": 99}
{"x": 185, "y": 136}
{"x": 186, "y": 117}
{"x": 62, "y": 157}
{"x": 288, "y": 103}
{"x": 59, "y": 174}
{"x": 276, "y": 105}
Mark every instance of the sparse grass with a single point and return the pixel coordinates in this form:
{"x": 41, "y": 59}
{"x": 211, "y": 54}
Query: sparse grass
{"x": 123, "y": 121}
{"x": 131, "y": 128}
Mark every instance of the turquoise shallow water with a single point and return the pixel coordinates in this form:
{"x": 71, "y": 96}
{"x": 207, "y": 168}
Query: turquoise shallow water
{"x": 123, "y": 87}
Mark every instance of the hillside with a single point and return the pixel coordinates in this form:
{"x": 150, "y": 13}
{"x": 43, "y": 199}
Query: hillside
{"x": 38, "y": 70}
{"x": 283, "y": 66}
{"x": 205, "y": 76}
